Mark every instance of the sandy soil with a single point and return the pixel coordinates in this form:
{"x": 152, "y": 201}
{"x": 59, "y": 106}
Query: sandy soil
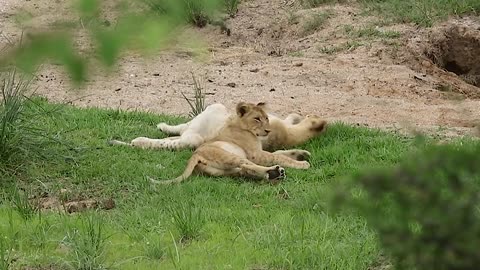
{"x": 379, "y": 82}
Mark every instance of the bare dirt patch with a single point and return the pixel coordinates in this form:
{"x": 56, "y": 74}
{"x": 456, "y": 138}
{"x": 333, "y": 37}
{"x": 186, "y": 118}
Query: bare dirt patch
{"x": 50, "y": 202}
{"x": 349, "y": 68}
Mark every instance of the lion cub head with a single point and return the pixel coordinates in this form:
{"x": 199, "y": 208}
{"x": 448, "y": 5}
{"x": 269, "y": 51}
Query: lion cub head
{"x": 253, "y": 118}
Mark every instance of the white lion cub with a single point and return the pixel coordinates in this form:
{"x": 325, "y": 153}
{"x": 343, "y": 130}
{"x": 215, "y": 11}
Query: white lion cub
{"x": 207, "y": 125}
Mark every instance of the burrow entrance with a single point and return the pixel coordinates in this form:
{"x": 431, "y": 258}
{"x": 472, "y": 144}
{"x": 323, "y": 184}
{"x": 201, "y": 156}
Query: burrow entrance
{"x": 458, "y": 51}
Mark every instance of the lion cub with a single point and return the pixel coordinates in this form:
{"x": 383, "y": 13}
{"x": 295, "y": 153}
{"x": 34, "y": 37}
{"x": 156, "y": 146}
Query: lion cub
{"x": 291, "y": 131}
{"x": 237, "y": 150}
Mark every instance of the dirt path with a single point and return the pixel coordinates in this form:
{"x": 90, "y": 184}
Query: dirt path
{"x": 330, "y": 72}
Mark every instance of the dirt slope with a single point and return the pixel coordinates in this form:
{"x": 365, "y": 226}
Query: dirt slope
{"x": 340, "y": 71}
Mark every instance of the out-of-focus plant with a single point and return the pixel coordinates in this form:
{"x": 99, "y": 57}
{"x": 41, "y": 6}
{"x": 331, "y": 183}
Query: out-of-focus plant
{"x": 136, "y": 27}
{"x": 426, "y": 210}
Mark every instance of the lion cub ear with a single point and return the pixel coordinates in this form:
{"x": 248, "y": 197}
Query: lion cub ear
{"x": 243, "y": 108}
{"x": 262, "y": 105}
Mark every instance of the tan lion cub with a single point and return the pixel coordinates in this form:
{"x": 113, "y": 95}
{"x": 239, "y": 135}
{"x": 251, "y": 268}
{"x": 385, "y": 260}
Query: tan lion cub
{"x": 237, "y": 151}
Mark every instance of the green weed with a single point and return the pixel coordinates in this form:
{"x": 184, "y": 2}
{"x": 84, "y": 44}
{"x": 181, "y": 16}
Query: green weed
{"x": 421, "y": 12}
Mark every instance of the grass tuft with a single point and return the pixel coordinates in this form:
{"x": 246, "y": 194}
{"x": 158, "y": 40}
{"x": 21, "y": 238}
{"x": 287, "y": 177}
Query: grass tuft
{"x": 316, "y": 3}
{"x": 231, "y": 7}
{"x": 21, "y": 203}
{"x": 421, "y": 12}
{"x": 153, "y": 248}
{"x": 370, "y": 32}
{"x": 21, "y": 136}
{"x": 347, "y": 46}
{"x": 87, "y": 244}
{"x": 197, "y": 105}
{"x": 315, "y": 22}
{"x": 188, "y": 220}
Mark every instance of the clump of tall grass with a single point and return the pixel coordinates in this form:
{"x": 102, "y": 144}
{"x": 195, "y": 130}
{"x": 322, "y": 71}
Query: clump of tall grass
{"x": 87, "y": 244}
{"x": 21, "y": 135}
{"x": 188, "y": 221}
{"x": 197, "y": 105}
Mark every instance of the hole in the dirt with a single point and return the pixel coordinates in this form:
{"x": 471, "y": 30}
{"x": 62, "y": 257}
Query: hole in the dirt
{"x": 458, "y": 52}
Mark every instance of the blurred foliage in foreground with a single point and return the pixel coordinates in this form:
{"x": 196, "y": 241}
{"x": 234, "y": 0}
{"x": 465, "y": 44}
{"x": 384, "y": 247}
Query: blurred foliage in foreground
{"x": 137, "y": 26}
{"x": 426, "y": 210}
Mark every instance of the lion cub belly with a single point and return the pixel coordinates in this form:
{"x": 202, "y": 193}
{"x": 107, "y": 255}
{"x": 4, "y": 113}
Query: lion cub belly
{"x": 231, "y": 148}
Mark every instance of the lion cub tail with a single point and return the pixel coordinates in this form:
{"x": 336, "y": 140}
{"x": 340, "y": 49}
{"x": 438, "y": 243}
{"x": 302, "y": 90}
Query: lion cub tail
{"x": 192, "y": 163}
{"x": 115, "y": 142}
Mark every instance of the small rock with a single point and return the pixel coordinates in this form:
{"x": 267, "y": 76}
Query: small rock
{"x": 232, "y": 84}
{"x": 209, "y": 80}
{"x": 298, "y": 64}
{"x": 156, "y": 74}
{"x": 108, "y": 204}
{"x": 426, "y": 63}
{"x": 254, "y": 70}
{"x": 292, "y": 97}
{"x": 411, "y": 85}
{"x": 272, "y": 90}
{"x": 118, "y": 89}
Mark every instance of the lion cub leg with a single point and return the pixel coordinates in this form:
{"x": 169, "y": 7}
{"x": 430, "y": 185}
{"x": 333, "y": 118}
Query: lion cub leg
{"x": 293, "y": 119}
{"x": 268, "y": 159}
{"x": 227, "y": 164}
{"x": 296, "y": 154}
{"x": 172, "y": 130}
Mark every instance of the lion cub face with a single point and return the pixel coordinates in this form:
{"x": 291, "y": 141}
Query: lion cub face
{"x": 316, "y": 124}
{"x": 253, "y": 118}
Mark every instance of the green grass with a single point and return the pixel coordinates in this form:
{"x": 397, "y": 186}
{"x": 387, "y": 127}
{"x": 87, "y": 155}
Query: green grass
{"x": 229, "y": 223}
{"x": 421, "y": 12}
{"x": 370, "y": 32}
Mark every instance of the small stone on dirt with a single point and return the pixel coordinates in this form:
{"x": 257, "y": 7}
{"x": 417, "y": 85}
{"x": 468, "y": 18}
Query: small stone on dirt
{"x": 254, "y": 70}
{"x": 232, "y": 84}
{"x": 426, "y": 63}
{"x": 156, "y": 74}
{"x": 118, "y": 89}
{"x": 272, "y": 90}
{"x": 298, "y": 64}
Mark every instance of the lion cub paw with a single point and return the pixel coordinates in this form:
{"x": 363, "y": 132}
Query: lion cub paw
{"x": 162, "y": 127}
{"x": 300, "y": 155}
{"x": 304, "y": 165}
{"x": 277, "y": 173}
{"x": 140, "y": 142}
